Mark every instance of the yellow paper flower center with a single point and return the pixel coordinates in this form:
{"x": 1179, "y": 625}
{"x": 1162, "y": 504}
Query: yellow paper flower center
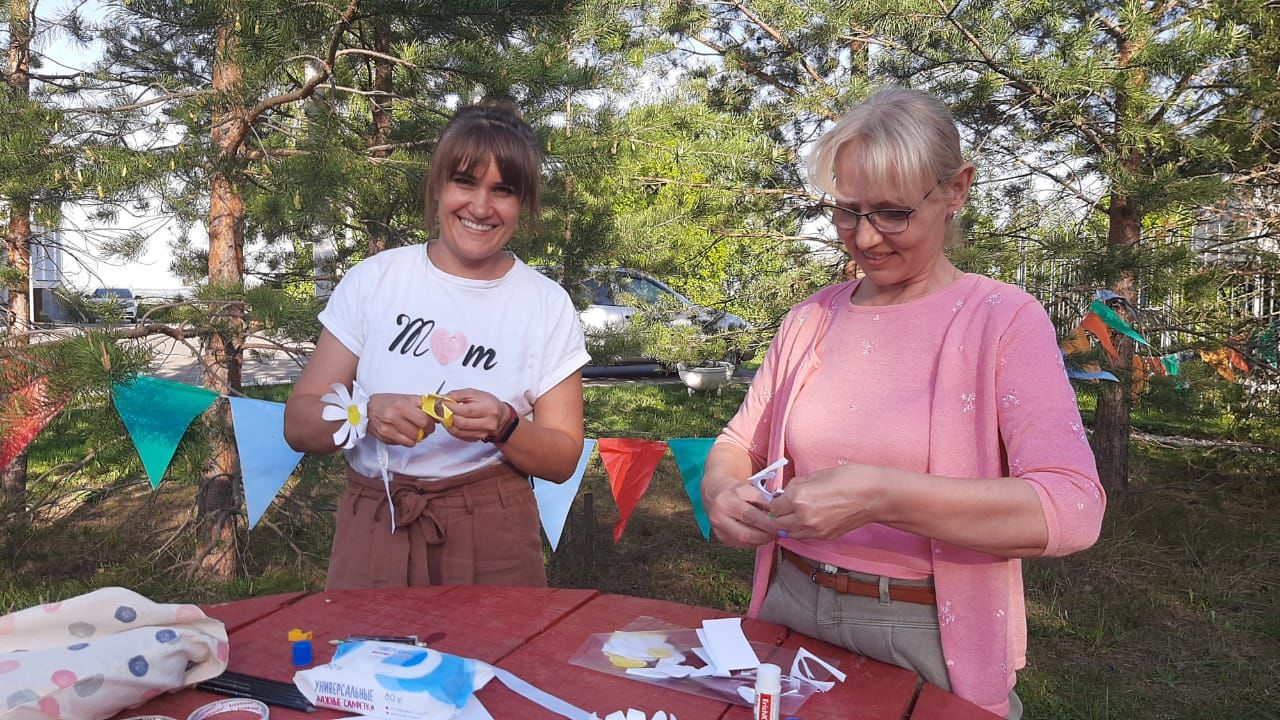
{"x": 353, "y": 414}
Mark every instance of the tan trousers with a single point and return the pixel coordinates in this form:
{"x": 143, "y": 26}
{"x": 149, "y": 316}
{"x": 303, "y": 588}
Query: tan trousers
{"x": 478, "y": 528}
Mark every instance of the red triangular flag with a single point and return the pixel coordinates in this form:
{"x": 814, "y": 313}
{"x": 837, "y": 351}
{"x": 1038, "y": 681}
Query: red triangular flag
{"x": 1238, "y": 360}
{"x": 630, "y": 464}
{"x": 22, "y": 417}
{"x": 1095, "y": 325}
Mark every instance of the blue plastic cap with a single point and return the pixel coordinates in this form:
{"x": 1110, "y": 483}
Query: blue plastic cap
{"x": 302, "y": 653}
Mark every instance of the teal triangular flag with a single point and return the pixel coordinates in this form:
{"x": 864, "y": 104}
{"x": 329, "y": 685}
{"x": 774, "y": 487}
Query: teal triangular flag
{"x": 555, "y": 499}
{"x": 266, "y": 460}
{"x": 156, "y": 413}
{"x": 1170, "y": 363}
{"x": 691, "y": 459}
{"x": 1114, "y": 321}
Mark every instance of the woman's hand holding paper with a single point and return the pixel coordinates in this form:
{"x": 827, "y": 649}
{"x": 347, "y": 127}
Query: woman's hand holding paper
{"x": 398, "y": 419}
{"x": 828, "y": 503}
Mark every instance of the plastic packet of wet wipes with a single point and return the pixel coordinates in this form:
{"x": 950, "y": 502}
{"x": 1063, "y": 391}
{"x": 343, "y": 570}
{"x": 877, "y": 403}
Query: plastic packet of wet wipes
{"x": 394, "y": 681}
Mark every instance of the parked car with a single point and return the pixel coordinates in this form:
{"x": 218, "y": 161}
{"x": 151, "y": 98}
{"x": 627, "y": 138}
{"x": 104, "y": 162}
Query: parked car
{"x": 615, "y": 294}
{"x": 120, "y": 297}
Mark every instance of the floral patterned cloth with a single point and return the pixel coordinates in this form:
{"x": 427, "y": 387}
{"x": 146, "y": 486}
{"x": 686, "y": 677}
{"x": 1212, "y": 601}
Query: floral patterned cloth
{"x": 96, "y": 654}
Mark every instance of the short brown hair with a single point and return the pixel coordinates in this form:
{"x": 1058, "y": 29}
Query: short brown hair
{"x": 476, "y": 135}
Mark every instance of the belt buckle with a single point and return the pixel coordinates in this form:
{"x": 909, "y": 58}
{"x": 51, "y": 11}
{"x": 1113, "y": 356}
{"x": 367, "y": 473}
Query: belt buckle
{"x": 824, "y": 568}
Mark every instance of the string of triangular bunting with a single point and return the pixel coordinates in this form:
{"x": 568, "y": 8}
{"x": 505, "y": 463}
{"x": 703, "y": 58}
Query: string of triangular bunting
{"x": 1099, "y": 320}
{"x": 157, "y": 412}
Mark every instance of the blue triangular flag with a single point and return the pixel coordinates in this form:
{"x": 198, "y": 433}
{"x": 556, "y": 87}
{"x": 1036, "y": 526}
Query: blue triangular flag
{"x": 266, "y": 460}
{"x": 1078, "y": 374}
{"x": 555, "y": 499}
{"x": 156, "y": 413}
{"x": 691, "y": 458}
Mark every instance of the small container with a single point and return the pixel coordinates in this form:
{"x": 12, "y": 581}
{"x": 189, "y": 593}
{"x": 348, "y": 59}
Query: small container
{"x": 300, "y": 647}
{"x": 768, "y": 692}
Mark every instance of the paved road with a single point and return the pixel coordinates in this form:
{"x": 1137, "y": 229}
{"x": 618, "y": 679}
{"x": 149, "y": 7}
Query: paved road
{"x": 266, "y": 363}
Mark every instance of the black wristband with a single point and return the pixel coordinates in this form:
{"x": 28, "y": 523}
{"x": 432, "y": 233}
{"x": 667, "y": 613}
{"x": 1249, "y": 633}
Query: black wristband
{"x": 505, "y": 433}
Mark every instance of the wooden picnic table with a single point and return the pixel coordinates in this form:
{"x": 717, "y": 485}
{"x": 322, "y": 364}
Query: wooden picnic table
{"x": 532, "y": 632}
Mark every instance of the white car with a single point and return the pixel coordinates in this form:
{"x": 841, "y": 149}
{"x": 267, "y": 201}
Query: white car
{"x": 609, "y": 293}
{"x": 122, "y": 297}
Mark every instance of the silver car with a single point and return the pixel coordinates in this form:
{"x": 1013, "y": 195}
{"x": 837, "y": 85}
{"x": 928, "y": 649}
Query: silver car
{"x": 613, "y": 294}
{"x": 121, "y": 297}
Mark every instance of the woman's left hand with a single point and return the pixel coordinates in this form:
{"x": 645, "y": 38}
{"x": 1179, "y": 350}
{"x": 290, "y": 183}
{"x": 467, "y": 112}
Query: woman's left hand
{"x": 828, "y": 503}
{"x": 476, "y": 414}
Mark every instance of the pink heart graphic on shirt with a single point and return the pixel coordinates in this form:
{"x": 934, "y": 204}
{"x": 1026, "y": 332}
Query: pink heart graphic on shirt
{"x": 447, "y": 346}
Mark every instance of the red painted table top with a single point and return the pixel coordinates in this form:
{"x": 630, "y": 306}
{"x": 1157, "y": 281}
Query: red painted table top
{"x": 532, "y": 632}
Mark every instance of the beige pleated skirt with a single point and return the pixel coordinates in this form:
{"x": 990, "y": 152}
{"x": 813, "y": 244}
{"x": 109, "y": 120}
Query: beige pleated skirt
{"x": 478, "y": 528}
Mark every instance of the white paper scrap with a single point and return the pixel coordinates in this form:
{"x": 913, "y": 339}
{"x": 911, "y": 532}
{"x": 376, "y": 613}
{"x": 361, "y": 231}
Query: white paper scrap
{"x": 801, "y": 672}
{"x": 710, "y": 668}
{"x": 473, "y": 710}
{"x": 724, "y": 639}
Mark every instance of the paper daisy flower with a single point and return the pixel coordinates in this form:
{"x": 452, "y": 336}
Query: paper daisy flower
{"x": 351, "y": 407}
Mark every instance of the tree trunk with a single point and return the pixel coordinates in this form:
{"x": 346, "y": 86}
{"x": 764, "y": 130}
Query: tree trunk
{"x": 376, "y": 228}
{"x": 13, "y": 479}
{"x": 217, "y": 506}
{"x": 1111, "y": 426}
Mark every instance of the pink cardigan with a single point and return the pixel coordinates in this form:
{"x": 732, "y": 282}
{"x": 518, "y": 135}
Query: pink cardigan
{"x": 998, "y": 352}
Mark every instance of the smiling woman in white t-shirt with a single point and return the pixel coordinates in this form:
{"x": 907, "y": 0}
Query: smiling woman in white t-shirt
{"x": 463, "y": 317}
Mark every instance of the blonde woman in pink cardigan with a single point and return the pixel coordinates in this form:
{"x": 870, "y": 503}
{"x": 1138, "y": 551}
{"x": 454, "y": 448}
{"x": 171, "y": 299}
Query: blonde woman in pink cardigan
{"x": 933, "y": 438}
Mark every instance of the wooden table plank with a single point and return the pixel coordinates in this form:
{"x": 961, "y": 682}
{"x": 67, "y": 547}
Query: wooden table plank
{"x": 532, "y": 632}
{"x": 544, "y": 662}
{"x": 875, "y": 691}
{"x": 238, "y": 613}
{"x": 935, "y": 703}
{"x": 481, "y": 622}
{"x": 872, "y": 691}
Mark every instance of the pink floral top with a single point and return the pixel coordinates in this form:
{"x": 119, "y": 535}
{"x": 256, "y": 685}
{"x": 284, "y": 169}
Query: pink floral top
{"x": 1001, "y": 406}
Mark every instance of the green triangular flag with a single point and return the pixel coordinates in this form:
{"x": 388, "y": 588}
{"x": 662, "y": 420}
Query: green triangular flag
{"x": 157, "y": 412}
{"x": 1114, "y": 321}
{"x": 691, "y": 457}
{"x": 1170, "y": 363}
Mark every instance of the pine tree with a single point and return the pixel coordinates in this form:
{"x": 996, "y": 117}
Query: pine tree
{"x": 1136, "y": 110}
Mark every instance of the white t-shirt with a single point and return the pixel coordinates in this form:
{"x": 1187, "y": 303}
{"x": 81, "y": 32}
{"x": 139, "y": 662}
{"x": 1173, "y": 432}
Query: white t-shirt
{"x": 417, "y": 329}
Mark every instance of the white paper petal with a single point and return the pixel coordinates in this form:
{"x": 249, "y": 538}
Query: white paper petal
{"x": 340, "y": 435}
{"x": 633, "y": 714}
{"x": 358, "y": 395}
{"x": 363, "y": 426}
{"x": 343, "y": 394}
{"x": 331, "y": 399}
{"x": 333, "y": 412}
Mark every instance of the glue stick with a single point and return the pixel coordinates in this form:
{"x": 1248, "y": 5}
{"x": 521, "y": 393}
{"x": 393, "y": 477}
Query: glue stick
{"x": 768, "y": 690}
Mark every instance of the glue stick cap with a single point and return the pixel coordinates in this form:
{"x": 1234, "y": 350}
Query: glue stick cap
{"x": 301, "y": 653}
{"x": 768, "y": 678}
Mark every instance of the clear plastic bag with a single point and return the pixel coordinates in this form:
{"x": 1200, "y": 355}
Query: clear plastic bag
{"x": 737, "y": 688}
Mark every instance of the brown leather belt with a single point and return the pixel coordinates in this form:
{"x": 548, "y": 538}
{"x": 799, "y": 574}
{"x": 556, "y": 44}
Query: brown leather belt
{"x": 843, "y": 583}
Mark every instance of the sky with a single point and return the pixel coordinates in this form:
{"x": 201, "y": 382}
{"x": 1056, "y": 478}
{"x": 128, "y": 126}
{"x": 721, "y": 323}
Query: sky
{"x": 82, "y": 270}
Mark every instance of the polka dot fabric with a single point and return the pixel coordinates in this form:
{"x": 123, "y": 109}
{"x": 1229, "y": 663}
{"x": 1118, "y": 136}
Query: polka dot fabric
{"x": 91, "y": 656}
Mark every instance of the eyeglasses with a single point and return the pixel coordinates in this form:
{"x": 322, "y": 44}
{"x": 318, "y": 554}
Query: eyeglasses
{"x": 888, "y": 222}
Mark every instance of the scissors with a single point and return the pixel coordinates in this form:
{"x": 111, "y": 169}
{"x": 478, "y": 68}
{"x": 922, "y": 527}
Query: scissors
{"x": 759, "y": 479}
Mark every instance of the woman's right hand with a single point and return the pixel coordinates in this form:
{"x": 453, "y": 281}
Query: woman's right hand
{"x": 398, "y": 419}
{"x": 739, "y": 515}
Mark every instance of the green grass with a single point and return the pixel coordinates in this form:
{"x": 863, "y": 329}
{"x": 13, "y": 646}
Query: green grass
{"x": 1171, "y": 615}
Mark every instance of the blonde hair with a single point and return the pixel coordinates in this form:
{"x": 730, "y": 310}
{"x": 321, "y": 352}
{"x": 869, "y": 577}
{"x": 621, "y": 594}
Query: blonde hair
{"x": 476, "y": 135}
{"x": 906, "y": 137}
